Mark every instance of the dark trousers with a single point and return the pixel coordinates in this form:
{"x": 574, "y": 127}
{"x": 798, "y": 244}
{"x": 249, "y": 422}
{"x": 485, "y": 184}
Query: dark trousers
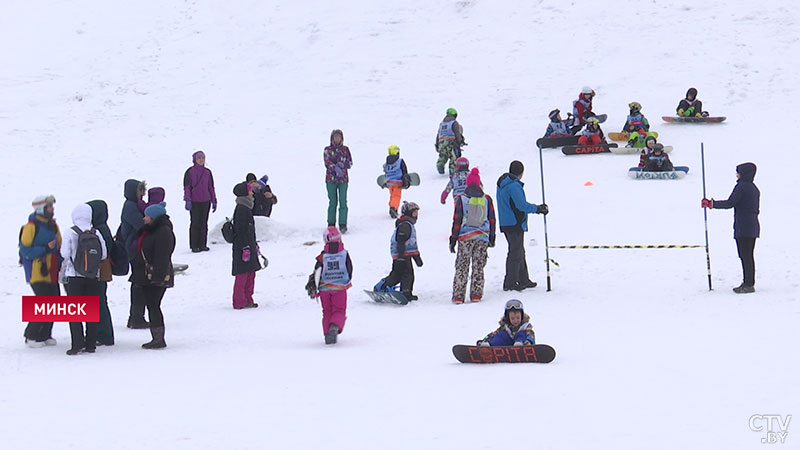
{"x": 152, "y": 298}
{"x": 105, "y": 329}
{"x": 82, "y": 286}
{"x": 516, "y": 267}
{"x": 746, "y": 246}
{"x": 198, "y": 224}
{"x": 137, "y": 306}
{"x": 41, "y": 331}
{"x": 403, "y": 273}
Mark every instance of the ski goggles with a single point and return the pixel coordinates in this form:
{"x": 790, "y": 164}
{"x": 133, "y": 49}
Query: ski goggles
{"x": 514, "y": 304}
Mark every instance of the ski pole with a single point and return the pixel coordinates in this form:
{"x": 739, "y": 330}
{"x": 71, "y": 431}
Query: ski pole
{"x": 705, "y": 212}
{"x": 544, "y": 217}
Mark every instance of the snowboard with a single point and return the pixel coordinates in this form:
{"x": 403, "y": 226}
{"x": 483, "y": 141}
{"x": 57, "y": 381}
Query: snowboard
{"x": 177, "y": 268}
{"x": 395, "y": 297}
{"x": 539, "y": 353}
{"x": 638, "y": 174}
{"x": 556, "y": 141}
{"x": 600, "y": 117}
{"x": 623, "y": 136}
{"x": 587, "y": 149}
{"x": 635, "y": 150}
{"x": 678, "y": 119}
{"x": 412, "y": 176}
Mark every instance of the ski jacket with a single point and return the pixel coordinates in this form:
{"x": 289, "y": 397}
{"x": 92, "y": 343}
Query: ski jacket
{"x": 588, "y": 132}
{"x": 337, "y": 268}
{"x": 557, "y": 128}
{"x": 450, "y": 130}
{"x": 395, "y": 170}
{"x": 131, "y": 217}
{"x": 580, "y": 107}
{"x": 81, "y": 218}
{"x": 337, "y": 155}
{"x": 474, "y": 201}
{"x": 634, "y": 122}
{"x": 657, "y": 163}
{"x": 41, "y": 263}
{"x": 198, "y": 184}
{"x": 745, "y": 201}
{"x": 404, "y": 239}
{"x": 458, "y": 182}
{"x": 514, "y": 332}
{"x": 245, "y": 246}
{"x": 513, "y": 208}
{"x": 154, "y": 243}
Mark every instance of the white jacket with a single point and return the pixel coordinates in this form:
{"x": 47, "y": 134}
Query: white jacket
{"x": 82, "y": 218}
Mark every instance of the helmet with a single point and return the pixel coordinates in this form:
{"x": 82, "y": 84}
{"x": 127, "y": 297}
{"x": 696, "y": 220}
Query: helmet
{"x": 452, "y": 112}
{"x": 658, "y": 148}
{"x": 331, "y": 234}
{"x": 394, "y": 150}
{"x": 513, "y": 305}
{"x": 635, "y": 106}
{"x": 408, "y": 208}
{"x": 649, "y": 138}
{"x": 553, "y": 114}
{"x": 462, "y": 163}
{"x": 593, "y": 121}
{"x": 587, "y": 90}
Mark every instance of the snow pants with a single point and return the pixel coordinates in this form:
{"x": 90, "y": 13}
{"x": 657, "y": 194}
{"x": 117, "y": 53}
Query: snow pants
{"x": 589, "y": 140}
{"x": 395, "y": 194}
{"x": 198, "y": 225}
{"x": 516, "y": 266}
{"x": 474, "y": 252}
{"x": 243, "y": 286}
{"x": 446, "y": 152}
{"x": 337, "y": 197}
{"x": 41, "y": 331}
{"x": 745, "y": 247}
{"x": 503, "y": 338}
{"x": 334, "y": 309}
{"x": 82, "y": 286}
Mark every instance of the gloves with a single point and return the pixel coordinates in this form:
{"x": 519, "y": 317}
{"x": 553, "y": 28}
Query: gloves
{"x": 418, "y": 260}
{"x": 542, "y": 209}
{"x": 341, "y": 165}
{"x": 214, "y": 207}
{"x": 188, "y": 205}
{"x": 491, "y": 241}
{"x": 519, "y": 344}
{"x": 453, "y": 242}
{"x": 338, "y": 171}
{"x": 482, "y": 344}
{"x": 706, "y": 203}
{"x": 443, "y": 198}
{"x": 406, "y": 182}
{"x": 246, "y": 254}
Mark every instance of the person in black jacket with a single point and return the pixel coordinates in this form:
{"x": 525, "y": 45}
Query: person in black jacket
{"x": 263, "y": 197}
{"x": 130, "y": 224}
{"x": 404, "y": 249}
{"x": 744, "y": 200}
{"x": 245, "y": 248}
{"x": 151, "y": 267}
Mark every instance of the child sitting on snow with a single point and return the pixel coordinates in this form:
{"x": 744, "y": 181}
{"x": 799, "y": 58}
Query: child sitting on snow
{"x": 557, "y": 127}
{"x": 515, "y": 328}
{"x": 458, "y": 181}
{"x": 657, "y": 160}
{"x": 691, "y": 106}
{"x": 636, "y": 121}
{"x": 649, "y": 145}
{"x": 592, "y": 134}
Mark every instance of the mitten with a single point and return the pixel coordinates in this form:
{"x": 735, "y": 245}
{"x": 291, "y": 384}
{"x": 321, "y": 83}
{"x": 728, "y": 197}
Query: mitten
{"x": 453, "y": 242}
{"x": 491, "y": 240}
{"x": 483, "y": 344}
{"x": 188, "y": 205}
{"x": 418, "y": 260}
{"x": 246, "y": 254}
{"x": 214, "y": 207}
{"x": 444, "y": 196}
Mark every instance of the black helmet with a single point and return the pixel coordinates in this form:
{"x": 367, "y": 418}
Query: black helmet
{"x": 553, "y": 114}
{"x": 408, "y": 208}
{"x": 635, "y": 106}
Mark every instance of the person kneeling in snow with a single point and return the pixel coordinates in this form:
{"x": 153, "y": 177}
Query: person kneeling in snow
{"x": 515, "y": 328}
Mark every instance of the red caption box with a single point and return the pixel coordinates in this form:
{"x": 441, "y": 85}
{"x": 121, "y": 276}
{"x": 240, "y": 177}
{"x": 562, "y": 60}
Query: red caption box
{"x": 60, "y": 308}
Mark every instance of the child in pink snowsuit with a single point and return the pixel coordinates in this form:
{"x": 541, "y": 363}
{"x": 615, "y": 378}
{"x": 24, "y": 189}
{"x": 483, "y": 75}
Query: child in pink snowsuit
{"x": 335, "y": 272}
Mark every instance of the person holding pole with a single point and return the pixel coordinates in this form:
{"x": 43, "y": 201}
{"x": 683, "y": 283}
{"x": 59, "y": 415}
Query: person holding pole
{"x": 744, "y": 200}
{"x": 513, "y": 210}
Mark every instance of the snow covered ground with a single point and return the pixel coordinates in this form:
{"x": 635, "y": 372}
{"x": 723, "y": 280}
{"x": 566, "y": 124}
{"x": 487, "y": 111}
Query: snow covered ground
{"x": 97, "y": 92}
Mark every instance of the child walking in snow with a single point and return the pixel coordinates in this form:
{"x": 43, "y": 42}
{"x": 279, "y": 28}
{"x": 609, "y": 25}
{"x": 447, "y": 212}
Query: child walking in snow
{"x": 404, "y": 249}
{"x": 396, "y": 178}
{"x": 336, "y": 271}
{"x": 515, "y": 328}
{"x": 458, "y": 181}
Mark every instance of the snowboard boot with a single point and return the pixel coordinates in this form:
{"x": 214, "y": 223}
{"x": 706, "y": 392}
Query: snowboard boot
{"x": 343, "y": 228}
{"x": 333, "y": 332}
{"x": 34, "y": 344}
{"x": 75, "y": 351}
{"x": 744, "y": 289}
{"x": 158, "y": 339}
{"x": 392, "y": 213}
{"x": 138, "y": 324}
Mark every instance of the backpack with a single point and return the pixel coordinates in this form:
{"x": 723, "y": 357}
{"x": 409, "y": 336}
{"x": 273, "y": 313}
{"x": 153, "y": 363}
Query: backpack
{"x": 119, "y": 255}
{"x": 228, "y": 233}
{"x": 88, "y": 254}
{"x": 475, "y": 212}
{"x": 36, "y": 230}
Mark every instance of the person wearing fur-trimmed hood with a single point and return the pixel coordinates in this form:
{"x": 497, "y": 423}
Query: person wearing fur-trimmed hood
{"x": 515, "y": 328}
{"x": 245, "y": 248}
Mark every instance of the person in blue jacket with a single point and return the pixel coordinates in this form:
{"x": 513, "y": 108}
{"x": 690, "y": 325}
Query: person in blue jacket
{"x": 515, "y": 328}
{"x": 513, "y": 210}
{"x": 745, "y": 200}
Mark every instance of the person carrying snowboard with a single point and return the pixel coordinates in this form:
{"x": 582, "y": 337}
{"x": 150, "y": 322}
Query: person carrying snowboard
{"x": 635, "y": 121}
{"x": 404, "y": 249}
{"x": 592, "y": 134}
{"x": 397, "y": 178}
{"x": 745, "y": 201}
{"x": 582, "y": 108}
{"x": 515, "y": 328}
{"x": 458, "y": 181}
{"x": 658, "y": 161}
{"x": 449, "y": 140}
{"x": 691, "y": 106}
{"x": 336, "y": 271}
{"x": 557, "y": 127}
{"x": 474, "y": 232}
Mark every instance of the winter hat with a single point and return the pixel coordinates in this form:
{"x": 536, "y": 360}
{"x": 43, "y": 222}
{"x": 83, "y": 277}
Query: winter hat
{"x": 250, "y": 177}
{"x": 462, "y": 163}
{"x": 155, "y": 195}
{"x": 474, "y": 177}
{"x": 40, "y": 203}
{"x": 649, "y": 138}
{"x": 198, "y": 154}
{"x": 156, "y": 211}
{"x": 394, "y": 150}
{"x": 513, "y": 305}
{"x": 408, "y": 208}
{"x": 516, "y": 168}
{"x": 658, "y": 148}
{"x": 331, "y": 234}
{"x": 692, "y": 92}
{"x": 264, "y": 179}
{"x": 241, "y": 189}
{"x": 452, "y": 112}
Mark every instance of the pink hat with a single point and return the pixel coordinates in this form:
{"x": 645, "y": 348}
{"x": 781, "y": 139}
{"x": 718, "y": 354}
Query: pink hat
{"x": 331, "y": 234}
{"x": 474, "y": 177}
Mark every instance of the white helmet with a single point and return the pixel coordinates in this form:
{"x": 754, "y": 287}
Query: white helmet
{"x": 587, "y": 90}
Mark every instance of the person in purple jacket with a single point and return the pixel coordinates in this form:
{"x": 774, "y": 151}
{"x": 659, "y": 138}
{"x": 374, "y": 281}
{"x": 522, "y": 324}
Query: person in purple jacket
{"x": 337, "y": 162}
{"x": 199, "y": 195}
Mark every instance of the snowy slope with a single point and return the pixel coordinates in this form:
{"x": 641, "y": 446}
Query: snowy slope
{"x": 98, "y": 92}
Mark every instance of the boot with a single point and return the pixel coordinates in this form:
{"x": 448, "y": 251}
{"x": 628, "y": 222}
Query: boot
{"x": 392, "y": 212}
{"x": 138, "y": 324}
{"x": 744, "y": 289}
{"x": 158, "y": 339}
{"x": 333, "y": 332}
